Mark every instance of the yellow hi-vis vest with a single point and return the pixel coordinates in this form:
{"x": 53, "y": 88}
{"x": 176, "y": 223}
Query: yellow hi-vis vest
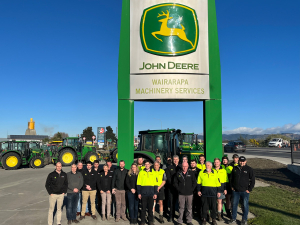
{"x": 141, "y": 168}
{"x": 146, "y": 183}
{"x": 202, "y": 167}
{"x": 222, "y": 175}
{"x": 230, "y": 167}
{"x": 208, "y": 183}
{"x": 160, "y": 176}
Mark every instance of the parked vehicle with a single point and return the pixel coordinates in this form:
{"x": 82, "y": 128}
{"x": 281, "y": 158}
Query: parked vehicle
{"x": 13, "y": 154}
{"x": 73, "y": 150}
{"x": 164, "y": 143}
{"x": 234, "y": 146}
{"x": 277, "y": 142}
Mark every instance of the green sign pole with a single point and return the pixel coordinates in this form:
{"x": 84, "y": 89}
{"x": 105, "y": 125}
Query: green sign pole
{"x": 125, "y": 106}
{"x": 212, "y": 109}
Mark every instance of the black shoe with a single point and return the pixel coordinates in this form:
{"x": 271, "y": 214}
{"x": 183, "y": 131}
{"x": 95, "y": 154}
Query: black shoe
{"x": 244, "y": 222}
{"x": 81, "y": 217}
{"x": 232, "y": 221}
{"x": 214, "y": 222}
{"x": 161, "y": 219}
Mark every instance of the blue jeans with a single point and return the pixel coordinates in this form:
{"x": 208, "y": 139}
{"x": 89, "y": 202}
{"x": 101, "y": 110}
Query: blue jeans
{"x": 133, "y": 204}
{"x": 79, "y": 204}
{"x": 236, "y": 198}
{"x": 72, "y": 205}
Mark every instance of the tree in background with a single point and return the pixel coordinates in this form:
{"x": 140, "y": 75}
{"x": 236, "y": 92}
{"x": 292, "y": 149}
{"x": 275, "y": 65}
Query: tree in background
{"x": 88, "y": 134}
{"x": 244, "y": 140}
{"x": 254, "y": 142}
{"x": 110, "y": 134}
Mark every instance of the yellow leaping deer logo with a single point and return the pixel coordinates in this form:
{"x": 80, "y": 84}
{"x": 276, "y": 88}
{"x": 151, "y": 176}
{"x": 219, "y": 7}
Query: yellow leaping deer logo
{"x": 166, "y": 31}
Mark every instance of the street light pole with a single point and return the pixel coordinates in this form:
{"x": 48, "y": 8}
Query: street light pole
{"x": 160, "y": 123}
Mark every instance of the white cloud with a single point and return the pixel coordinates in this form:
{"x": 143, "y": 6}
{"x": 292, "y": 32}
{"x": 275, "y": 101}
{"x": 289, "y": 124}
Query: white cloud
{"x": 287, "y": 128}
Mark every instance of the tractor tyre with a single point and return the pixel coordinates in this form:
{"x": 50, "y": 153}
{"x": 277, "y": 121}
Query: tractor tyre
{"x": 67, "y": 157}
{"x": 115, "y": 156}
{"x": 91, "y": 156}
{"x": 11, "y": 161}
{"x": 47, "y": 160}
{"x": 37, "y": 162}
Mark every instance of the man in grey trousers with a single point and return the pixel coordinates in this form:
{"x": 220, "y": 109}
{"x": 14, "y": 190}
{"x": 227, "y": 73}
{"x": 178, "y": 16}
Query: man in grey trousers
{"x": 185, "y": 183}
{"x": 75, "y": 183}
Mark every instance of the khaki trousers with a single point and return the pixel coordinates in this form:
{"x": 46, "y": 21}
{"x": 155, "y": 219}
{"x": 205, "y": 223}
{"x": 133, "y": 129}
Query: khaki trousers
{"x": 120, "y": 204}
{"x": 85, "y": 197}
{"x": 53, "y": 199}
{"x": 106, "y": 203}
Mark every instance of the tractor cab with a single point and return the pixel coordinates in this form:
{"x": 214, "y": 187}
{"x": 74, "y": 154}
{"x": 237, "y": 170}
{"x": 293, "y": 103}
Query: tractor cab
{"x": 164, "y": 143}
{"x": 72, "y": 142}
{"x": 186, "y": 141}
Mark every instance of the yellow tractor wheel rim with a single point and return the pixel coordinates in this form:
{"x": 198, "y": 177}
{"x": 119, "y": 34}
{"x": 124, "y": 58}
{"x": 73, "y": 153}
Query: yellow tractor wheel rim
{"x": 93, "y": 158}
{"x": 67, "y": 157}
{"x": 12, "y": 161}
{"x": 37, "y": 162}
{"x": 117, "y": 155}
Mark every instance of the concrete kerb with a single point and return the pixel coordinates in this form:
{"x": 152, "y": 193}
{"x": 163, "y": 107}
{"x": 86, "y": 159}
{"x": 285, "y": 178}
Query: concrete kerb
{"x": 294, "y": 168}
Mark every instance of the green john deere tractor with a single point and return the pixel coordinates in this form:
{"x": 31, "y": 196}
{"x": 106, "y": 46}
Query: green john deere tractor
{"x": 73, "y": 150}
{"x": 16, "y": 153}
{"x": 189, "y": 146}
{"x": 164, "y": 143}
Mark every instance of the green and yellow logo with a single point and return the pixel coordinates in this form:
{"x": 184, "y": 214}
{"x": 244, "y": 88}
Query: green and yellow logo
{"x": 169, "y": 29}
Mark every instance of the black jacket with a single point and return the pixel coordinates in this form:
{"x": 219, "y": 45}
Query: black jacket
{"x": 196, "y": 172}
{"x": 242, "y": 178}
{"x": 170, "y": 172}
{"x": 131, "y": 181}
{"x": 57, "y": 183}
{"x": 90, "y": 178}
{"x": 105, "y": 182}
{"x": 119, "y": 179}
{"x": 185, "y": 184}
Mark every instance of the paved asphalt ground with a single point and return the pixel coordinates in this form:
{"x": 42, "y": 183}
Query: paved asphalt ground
{"x": 24, "y": 200}
{"x": 282, "y": 155}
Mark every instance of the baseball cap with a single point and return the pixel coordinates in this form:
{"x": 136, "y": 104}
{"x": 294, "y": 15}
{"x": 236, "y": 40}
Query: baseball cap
{"x": 242, "y": 159}
{"x": 235, "y": 156}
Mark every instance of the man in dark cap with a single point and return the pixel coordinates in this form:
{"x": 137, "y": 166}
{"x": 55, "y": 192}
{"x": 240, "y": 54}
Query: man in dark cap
{"x": 242, "y": 182}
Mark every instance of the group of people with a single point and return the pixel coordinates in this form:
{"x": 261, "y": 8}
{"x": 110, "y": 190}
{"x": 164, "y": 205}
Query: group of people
{"x": 196, "y": 189}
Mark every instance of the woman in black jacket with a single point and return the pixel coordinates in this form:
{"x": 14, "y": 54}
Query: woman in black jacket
{"x": 133, "y": 200}
{"x": 105, "y": 186}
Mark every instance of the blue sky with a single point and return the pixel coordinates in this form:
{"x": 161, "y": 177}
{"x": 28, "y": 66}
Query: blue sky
{"x": 59, "y": 63}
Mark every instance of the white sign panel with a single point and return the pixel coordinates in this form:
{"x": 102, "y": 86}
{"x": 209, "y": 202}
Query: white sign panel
{"x": 169, "y": 41}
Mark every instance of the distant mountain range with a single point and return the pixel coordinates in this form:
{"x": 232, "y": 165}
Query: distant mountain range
{"x": 251, "y": 136}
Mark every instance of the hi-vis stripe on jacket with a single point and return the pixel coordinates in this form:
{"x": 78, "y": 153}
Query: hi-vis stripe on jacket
{"x": 160, "y": 176}
{"x": 222, "y": 177}
{"x": 208, "y": 183}
{"x": 146, "y": 183}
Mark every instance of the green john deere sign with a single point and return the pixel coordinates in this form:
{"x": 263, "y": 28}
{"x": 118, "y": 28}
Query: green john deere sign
{"x": 169, "y": 29}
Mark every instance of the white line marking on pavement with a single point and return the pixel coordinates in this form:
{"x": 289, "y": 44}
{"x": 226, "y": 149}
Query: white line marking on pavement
{"x": 8, "y": 219}
{"x": 31, "y": 204}
{"x": 1, "y": 195}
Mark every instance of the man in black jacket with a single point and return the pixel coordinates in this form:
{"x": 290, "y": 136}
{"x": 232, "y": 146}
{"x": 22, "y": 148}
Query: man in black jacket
{"x": 89, "y": 190}
{"x": 118, "y": 185}
{"x": 173, "y": 194}
{"x": 196, "y": 199}
{"x": 57, "y": 186}
{"x": 242, "y": 181}
{"x": 185, "y": 183}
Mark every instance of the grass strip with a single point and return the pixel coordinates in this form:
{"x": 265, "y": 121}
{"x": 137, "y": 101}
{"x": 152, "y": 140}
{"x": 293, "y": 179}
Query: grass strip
{"x": 274, "y": 206}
